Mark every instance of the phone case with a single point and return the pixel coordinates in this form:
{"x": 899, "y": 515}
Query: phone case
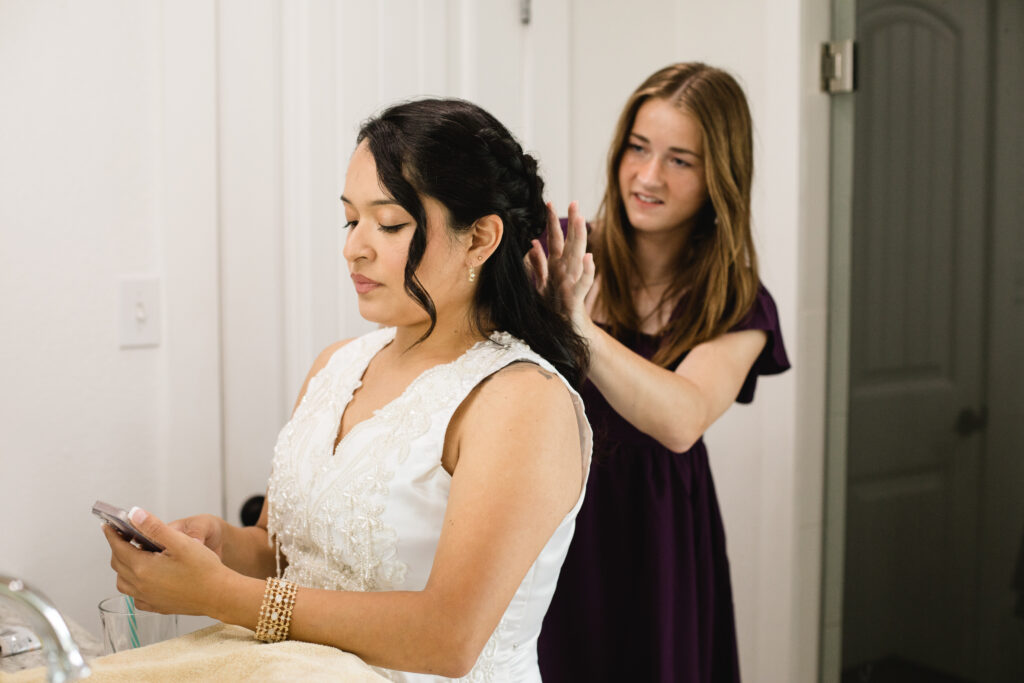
{"x": 118, "y": 518}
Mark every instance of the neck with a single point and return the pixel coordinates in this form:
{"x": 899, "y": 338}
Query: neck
{"x": 657, "y": 254}
{"x": 451, "y": 336}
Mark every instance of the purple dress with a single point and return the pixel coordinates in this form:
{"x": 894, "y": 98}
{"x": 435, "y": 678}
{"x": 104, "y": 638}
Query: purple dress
{"x": 644, "y": 594}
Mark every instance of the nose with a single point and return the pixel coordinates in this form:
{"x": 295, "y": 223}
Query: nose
{"x": 356, "y": 245}
{"x": 649, "y": 172}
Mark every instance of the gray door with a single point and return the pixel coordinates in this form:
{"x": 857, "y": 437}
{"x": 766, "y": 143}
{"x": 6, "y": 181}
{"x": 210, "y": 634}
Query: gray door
{"x": 919, "y": 238}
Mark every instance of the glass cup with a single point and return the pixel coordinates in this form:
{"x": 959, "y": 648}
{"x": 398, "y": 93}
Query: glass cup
{"x": 125, "y": 627}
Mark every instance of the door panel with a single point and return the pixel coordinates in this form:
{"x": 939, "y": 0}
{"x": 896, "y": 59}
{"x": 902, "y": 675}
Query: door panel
{"x": 918, "y": 245}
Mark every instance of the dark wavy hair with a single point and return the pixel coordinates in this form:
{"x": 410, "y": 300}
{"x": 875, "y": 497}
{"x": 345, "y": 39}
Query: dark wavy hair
{"x": 458, "y": 154}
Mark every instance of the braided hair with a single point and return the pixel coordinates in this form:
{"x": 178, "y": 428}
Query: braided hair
{"x": 455, "y": 152}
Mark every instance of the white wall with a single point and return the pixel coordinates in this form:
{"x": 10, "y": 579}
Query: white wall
{"x": 206, "y": 143}
{"x": 107, "y": 170}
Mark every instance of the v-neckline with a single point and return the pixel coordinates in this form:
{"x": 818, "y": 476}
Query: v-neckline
{"x": 339, "y": 442}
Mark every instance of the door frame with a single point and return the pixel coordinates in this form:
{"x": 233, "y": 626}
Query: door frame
{"x": 844, "y": 24}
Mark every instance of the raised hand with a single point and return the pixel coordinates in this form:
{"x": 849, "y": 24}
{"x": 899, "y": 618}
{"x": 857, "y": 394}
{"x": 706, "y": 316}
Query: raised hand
{"x": 567, "y": 271}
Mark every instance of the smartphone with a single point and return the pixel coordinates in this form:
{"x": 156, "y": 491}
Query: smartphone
{"x": 118, "y": 518}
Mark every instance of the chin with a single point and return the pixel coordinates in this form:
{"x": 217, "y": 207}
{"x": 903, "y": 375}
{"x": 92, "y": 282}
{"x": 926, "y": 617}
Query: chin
{"x": 389, "y": 317}
{"x": 646, "y": 224}
{"x": 373, "y": 314}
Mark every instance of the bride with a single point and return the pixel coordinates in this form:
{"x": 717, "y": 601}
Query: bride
{"x": 424, "y": 492}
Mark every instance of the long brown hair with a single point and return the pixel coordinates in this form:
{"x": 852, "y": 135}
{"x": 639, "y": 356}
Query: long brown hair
{"x": 718, "y": 268}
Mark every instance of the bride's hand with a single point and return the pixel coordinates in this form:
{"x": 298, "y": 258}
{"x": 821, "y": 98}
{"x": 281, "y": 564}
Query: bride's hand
{"x": 185, "y": 578}
{"x": 567, "y": 272}
{"x": 205, "y": 528}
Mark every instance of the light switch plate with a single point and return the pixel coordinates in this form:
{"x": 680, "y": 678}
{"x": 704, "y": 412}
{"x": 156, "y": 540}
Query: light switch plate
{"x": 139, "y": 312}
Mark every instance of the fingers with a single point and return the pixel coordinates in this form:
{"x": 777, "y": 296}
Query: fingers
{"x": 576, "y": 245}
{"x": 586, "y": 280}
{"x": 119, "y": 546}
{"x": 122, "y": 560}
{"x": 119, "y": 565}
{"x": 570, "y": 270}
{"x": 538, "y": 263}
{"x": 145, "y": 606}
{"x": 152, "y": 527}
{"x": 556, "y": 241}
{"x": 123, "y": 586}
{"x": 191, "y": 527}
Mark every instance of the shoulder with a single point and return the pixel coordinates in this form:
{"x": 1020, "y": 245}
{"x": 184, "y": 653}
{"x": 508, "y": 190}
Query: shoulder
{"x": 521, "y": 422}
{"x": 371, "y": 341}
{"x": 527, "y": 378}
{"x": 522, "y": 397}
{"x": 322, "y": 359}
{"x": 762, "y": 314}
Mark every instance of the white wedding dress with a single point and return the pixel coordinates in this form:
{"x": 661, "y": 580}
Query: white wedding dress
{"x": 368, "y": 515}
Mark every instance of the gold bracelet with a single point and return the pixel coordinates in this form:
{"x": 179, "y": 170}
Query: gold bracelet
{"x": 276, "y": 610}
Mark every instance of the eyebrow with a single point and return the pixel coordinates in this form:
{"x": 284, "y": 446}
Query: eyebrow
{"x": 677, "y": 150}
{"x": 375, "y": 202}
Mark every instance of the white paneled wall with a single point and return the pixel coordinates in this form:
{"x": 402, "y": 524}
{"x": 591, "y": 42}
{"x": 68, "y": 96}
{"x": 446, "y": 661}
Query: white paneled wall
{"x": 108, "y": 168}
{"x": 206, "y": 142}
{"x": 251, "y": 177}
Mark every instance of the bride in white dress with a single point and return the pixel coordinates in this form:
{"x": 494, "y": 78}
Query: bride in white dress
{"x": 424, "y": 492}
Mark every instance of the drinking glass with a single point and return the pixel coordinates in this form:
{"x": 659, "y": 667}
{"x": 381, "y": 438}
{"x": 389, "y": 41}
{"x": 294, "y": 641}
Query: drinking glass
{"x": 126, "y": 627}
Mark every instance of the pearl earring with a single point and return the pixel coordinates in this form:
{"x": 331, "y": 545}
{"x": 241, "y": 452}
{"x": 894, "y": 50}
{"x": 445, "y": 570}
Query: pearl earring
{"x": 472, "y": 273}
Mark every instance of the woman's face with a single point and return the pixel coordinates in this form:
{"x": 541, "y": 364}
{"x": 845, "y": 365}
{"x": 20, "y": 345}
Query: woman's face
{"x": 661, "y": 174}
{"x": 377, "y": 248}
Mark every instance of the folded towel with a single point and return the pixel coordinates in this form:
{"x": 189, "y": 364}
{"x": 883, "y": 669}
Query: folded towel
{"x": 222, "y": 653}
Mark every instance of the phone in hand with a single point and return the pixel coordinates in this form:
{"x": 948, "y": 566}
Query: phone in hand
{"x": 122, "y": 523}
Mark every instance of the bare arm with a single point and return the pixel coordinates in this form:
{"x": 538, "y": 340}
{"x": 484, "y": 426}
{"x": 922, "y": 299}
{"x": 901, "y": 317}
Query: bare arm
{"x": 518, "y": 474}
{"x": 675, "y": 408}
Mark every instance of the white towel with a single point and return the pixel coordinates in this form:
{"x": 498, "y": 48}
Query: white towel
{"x": 221, "y": 653}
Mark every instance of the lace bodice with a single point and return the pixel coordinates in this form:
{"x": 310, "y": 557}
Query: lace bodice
{"x": 367, "y": 516}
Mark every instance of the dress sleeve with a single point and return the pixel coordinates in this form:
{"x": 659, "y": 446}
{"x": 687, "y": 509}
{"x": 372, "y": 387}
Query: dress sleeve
{"x": 773, "y": 360}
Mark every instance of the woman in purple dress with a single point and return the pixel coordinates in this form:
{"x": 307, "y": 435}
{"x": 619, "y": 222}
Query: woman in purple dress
{"x": 679, "y": 327}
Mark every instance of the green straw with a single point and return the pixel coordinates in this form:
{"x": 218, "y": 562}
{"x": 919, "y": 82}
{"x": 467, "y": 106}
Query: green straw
{"x": 132, "y": 624}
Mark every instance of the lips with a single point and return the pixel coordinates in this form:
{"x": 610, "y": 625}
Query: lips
{"x": 364, "y": 284}
{"x": 646, "y": 199}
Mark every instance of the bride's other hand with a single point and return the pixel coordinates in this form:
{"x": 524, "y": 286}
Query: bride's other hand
{"x": 207, "y": 529}
{"x": 186, "y": 578}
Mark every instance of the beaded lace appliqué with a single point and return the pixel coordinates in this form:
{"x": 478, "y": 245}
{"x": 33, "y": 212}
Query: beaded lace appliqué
{"x": 326, "y": 509}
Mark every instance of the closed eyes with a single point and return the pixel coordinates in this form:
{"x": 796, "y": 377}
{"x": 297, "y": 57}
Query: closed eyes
{"x": 384, "y": 228}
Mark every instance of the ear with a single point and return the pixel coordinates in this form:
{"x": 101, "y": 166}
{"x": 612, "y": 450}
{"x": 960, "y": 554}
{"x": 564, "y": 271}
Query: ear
{"x": 484, "y": 238}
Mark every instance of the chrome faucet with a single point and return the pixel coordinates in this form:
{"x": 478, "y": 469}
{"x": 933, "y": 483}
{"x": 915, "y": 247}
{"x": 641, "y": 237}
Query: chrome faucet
{"x": 64, "y": 661}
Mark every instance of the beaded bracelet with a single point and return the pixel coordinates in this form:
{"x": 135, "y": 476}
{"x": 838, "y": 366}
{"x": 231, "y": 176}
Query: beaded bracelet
{"x": 276, "y": 610}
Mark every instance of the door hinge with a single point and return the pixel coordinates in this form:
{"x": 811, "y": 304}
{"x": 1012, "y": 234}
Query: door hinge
{"x": 524, "y": 12}
{"x": 839, "y": 66}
